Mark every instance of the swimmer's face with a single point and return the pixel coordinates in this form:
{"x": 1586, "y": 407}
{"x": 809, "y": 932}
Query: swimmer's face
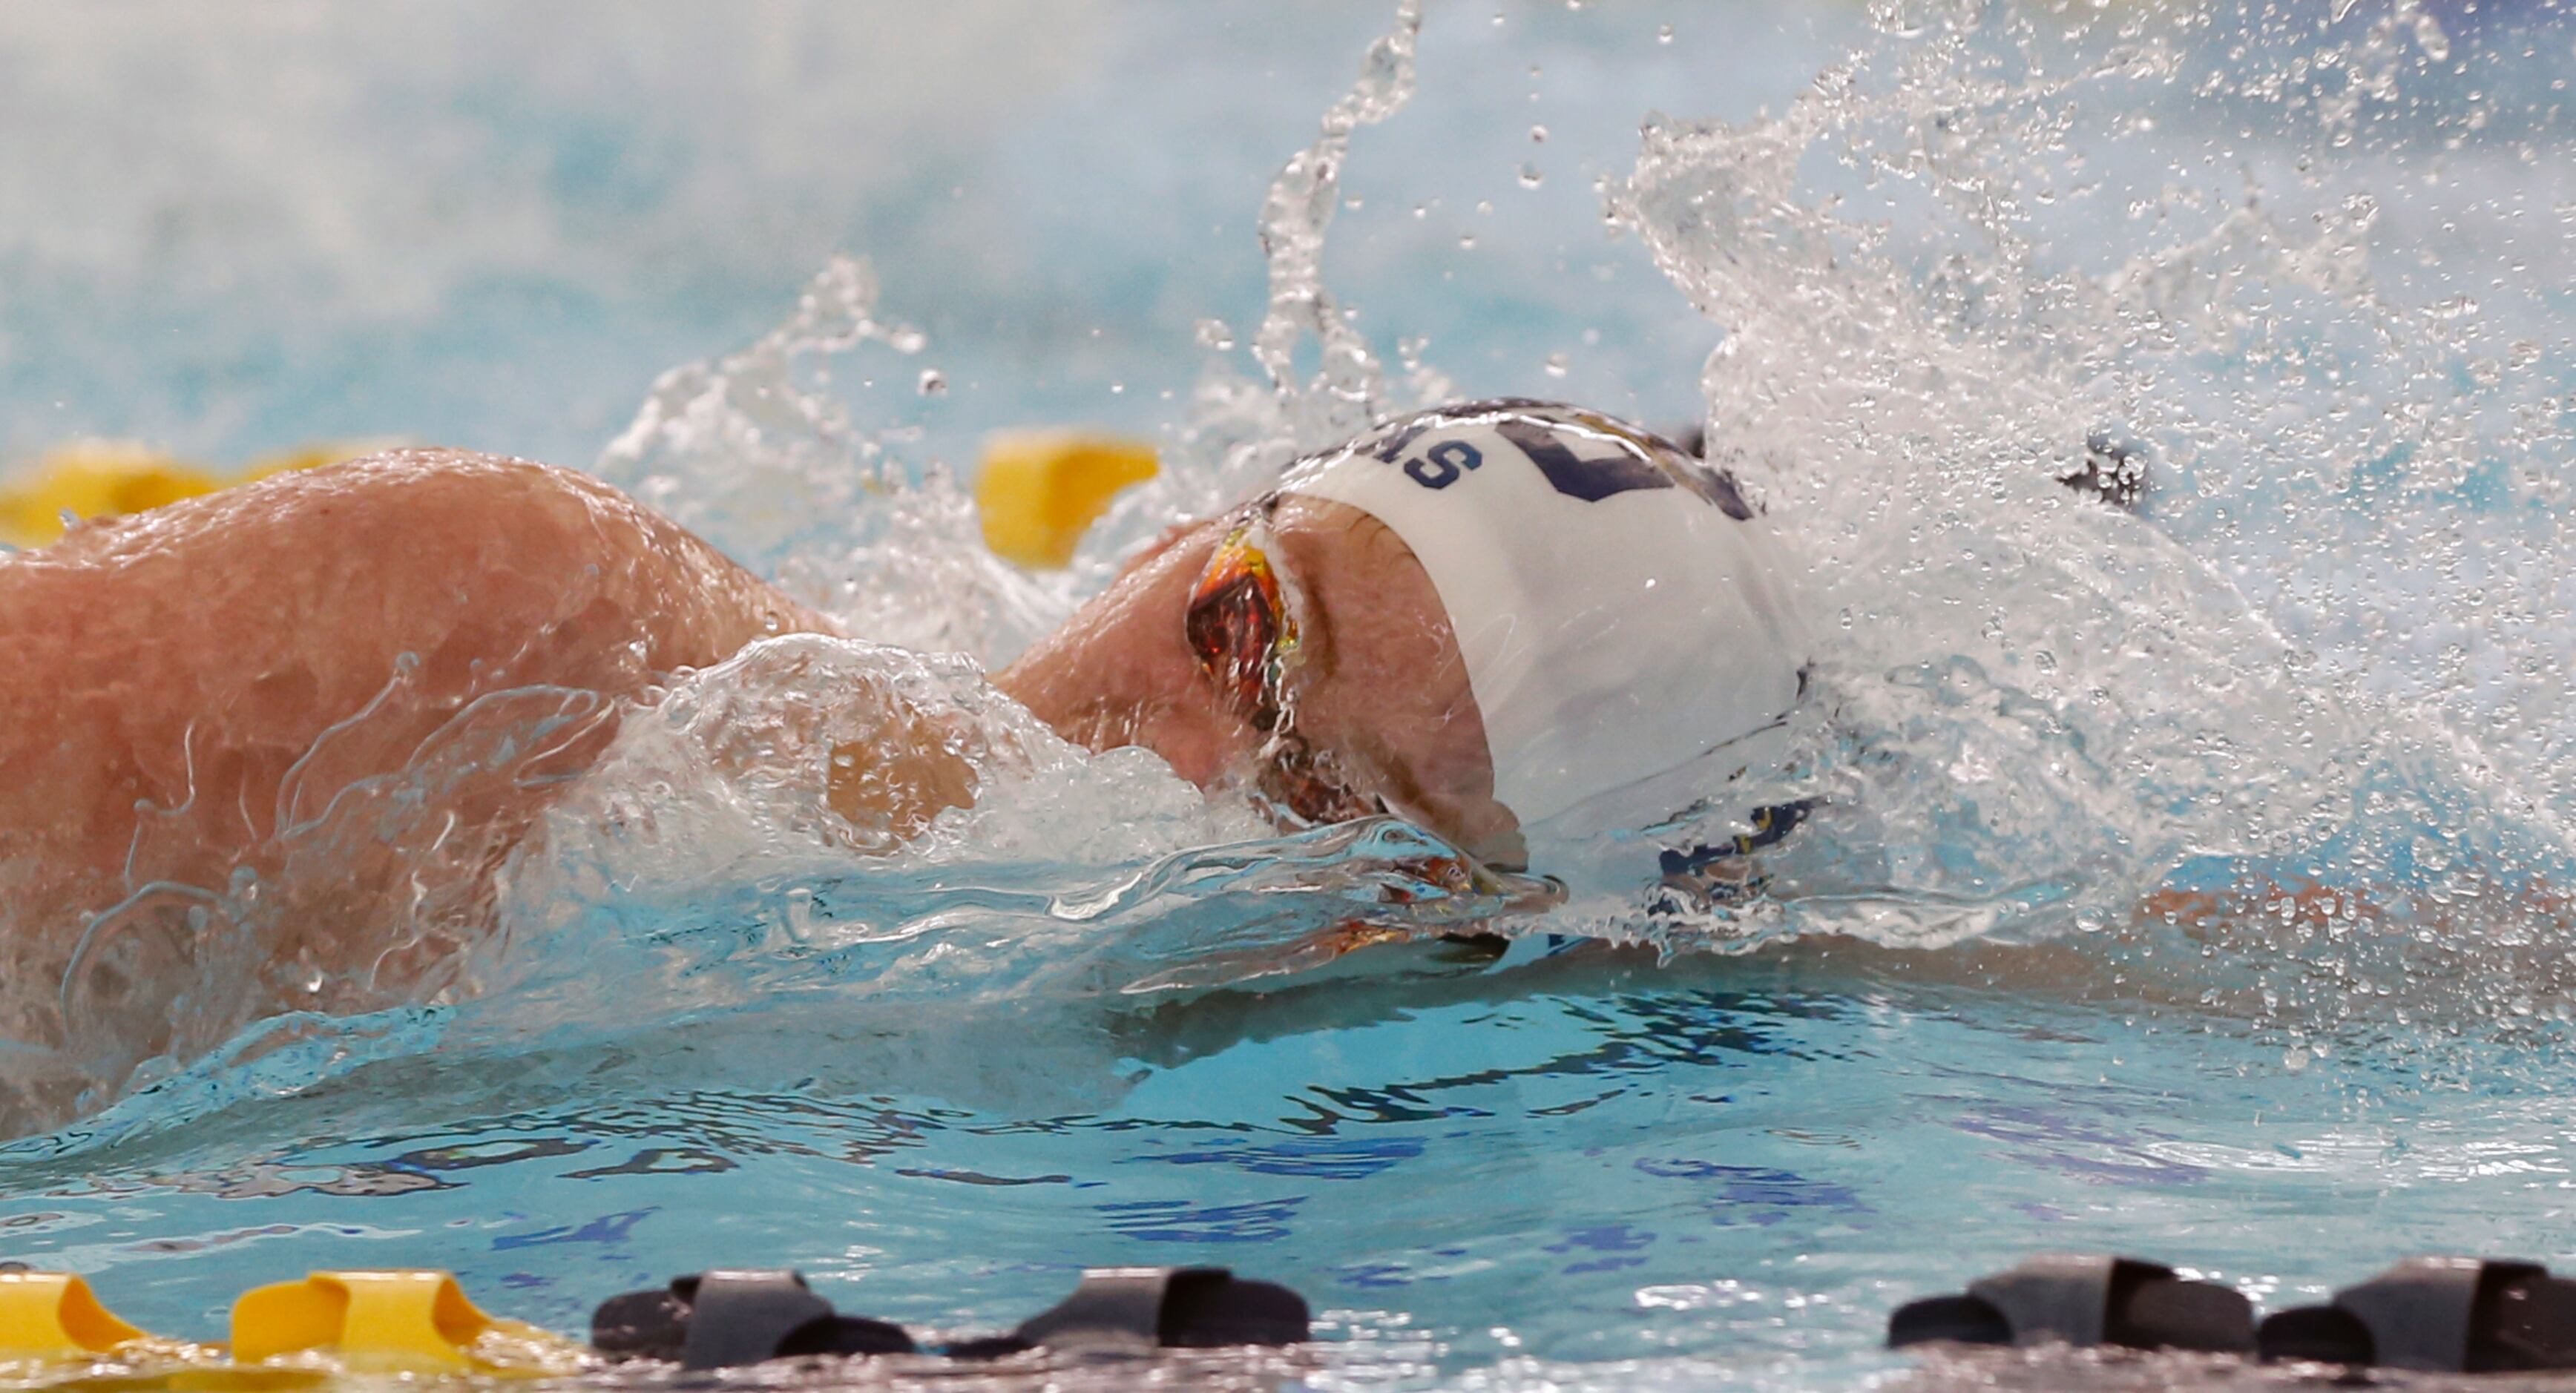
{"x": 1378, "y": 710}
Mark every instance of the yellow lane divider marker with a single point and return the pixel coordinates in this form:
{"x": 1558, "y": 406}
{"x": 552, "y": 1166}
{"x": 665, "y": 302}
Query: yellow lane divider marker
{"x": 1038, "y": 491}
{"x": 286, "y": 1337}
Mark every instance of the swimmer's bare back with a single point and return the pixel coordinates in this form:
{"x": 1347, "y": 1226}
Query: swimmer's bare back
{"x": 189, "y": 657}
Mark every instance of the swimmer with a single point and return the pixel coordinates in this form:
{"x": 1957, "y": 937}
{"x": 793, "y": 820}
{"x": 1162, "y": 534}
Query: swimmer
{"x": 1482, "y": 618}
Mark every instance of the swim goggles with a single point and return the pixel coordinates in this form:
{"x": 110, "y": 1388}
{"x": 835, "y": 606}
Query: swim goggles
{"x": 1245, "y": 623}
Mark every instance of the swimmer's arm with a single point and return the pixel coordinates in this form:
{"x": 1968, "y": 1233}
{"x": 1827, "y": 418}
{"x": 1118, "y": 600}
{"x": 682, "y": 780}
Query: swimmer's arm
{"x": 191, "y": 656}
{"x": 900, "y": 784}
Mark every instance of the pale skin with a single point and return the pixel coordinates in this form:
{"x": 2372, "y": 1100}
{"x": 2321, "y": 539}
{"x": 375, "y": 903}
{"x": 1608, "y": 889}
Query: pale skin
{"x": 190, "y": 656}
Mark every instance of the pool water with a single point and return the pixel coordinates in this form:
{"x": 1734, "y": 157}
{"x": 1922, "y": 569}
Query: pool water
{"x": 2184, "y": 883}
{"x": 1739, "y": 1166}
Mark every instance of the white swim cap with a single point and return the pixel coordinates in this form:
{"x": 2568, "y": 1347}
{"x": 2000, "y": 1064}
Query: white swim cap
{"x": 1621, "y": 611}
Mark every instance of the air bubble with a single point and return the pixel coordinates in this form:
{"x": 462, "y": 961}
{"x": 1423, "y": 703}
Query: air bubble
{"x": 1556, "y": 365}
{"x": 1217, "y": 334}
{"x": 1538, "y": 135}
{"x": 1664, "y": 34}
{"x": 934, "y": 383}
{"x": 1531, "y": 177}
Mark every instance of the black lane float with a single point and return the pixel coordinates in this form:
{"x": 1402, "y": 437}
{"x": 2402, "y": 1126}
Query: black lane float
{"x": 2432, "y": 1314}
{"x": 721, "y": 1319}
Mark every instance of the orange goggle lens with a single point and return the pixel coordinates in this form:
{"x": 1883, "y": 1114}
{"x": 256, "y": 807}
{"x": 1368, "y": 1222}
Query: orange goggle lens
{"x": 1240, "y": 627}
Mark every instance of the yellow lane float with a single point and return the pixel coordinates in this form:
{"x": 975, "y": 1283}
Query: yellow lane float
{"x": 54, "y": 1315}
{"x": 394, "y": 1321}
{"x": 1039, "y": 490}
{"x": 286, "y": 1336}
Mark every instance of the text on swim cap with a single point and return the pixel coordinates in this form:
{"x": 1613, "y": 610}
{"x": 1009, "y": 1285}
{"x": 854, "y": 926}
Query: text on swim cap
{"x": 1588, "y": 478}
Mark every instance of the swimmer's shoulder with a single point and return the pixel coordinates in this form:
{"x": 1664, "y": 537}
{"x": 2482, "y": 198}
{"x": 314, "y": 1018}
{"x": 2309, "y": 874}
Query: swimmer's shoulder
{"x": 457, "y": 511}
{"x": 444, "y": 529}
{"x": 425, "y": 493}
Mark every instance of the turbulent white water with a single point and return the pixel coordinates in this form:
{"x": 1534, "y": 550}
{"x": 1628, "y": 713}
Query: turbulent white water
{"x": 1923, "y": 330}
{"x": 2328, "y": 656}
{"x": 2334, "y": 647}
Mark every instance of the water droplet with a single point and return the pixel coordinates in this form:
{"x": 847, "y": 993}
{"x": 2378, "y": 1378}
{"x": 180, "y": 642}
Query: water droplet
{"x": 934, "y": 383}
{"x": 1556, "y": 365}
{"x": 1530, "y": 176}
{"x": 1538, "y": 135}
{"x": 2430, "y": 38}
{"x": 1219, "y": 335}
{"x": 1664, "y": 35}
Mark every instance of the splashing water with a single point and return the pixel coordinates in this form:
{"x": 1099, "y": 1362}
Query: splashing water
{"x": 2037, "y": 713}
{"x": 755, "y": 451}
{"x": 2060, "y": 750}
{"x": 2278, "y": 757}
{"x": 1968, "y": 255}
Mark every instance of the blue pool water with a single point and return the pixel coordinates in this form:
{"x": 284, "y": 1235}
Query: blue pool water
{"x": 1738, "y": 1166}
{"x": 2315, "y": 265}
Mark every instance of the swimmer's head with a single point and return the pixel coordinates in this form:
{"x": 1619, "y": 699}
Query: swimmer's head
{"x": 1371, "y": 708}
{"x": 1482, "y": 618}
